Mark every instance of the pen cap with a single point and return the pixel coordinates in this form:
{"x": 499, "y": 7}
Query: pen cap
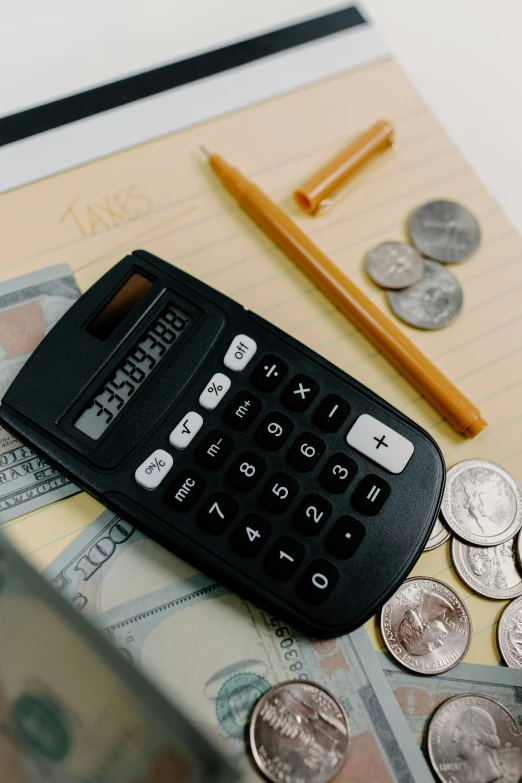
{"x": 344, "y": 166}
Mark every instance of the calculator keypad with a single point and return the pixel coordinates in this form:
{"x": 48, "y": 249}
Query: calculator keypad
{"x": 279, "y": 492}
{"x": 185, "y": 490}
{"x": 242, "y": 410}
{"x": 246, "y": 471}
{"x": 269, "y": 373}
{"x": 214, "y": 449}
{"x": 370, "y": 495}
{"x": 318, "y": 581}
{"x": 151, "y": 473}
{"x": 306, "y": 452}
{"x": 251, "y": 535}
{"x": 273, "y": 431}
{"x": 338, "y": 473}
{"x": 331, "y": 413}
{"x": 312, "y": 515}
{"x": 217, "y": 512}
{"x": 214, "y": 391}
{"x": 300, "y": 393}
{"x": 284, "y": 558}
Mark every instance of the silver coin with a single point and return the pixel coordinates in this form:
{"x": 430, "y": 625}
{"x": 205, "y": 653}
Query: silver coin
{"x": 426, "y": 626}
{"x": 444, "y": 231}
{"x": 394, "y": 265}
{"x": 439, "y": 535}
{"x": 475, "y": 739}
{"x": 509, "y": 634}
{"x": 490, "y": 571}
{"x": 482, "y": 503}
{"x": 299, "y": 731}
{"x": 433, "y": 302}
{"x": 518, "y": 550}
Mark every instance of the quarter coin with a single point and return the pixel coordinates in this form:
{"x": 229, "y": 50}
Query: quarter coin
{"x": 444, "y": 230}
{"x": 509, "y": 634}
{"x": 426, "y": 626}
{"x": 433, "y": 302}
{"x": 394, "y": 265}
{"x": 488, "y": 570}
{"x": 482, "y": 502}
{"x": 298, "y": 732}
{"x": 475, "y": 739}
{"x": 518, "y": 550}
{"x": 439, "y": 535}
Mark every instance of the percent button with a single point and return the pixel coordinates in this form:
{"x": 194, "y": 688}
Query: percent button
{"x": 153, "y": 470}
{"x": 214, "y": 391}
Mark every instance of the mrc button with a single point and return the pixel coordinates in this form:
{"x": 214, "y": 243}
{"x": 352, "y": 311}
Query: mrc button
{"x": 380, "y": 443}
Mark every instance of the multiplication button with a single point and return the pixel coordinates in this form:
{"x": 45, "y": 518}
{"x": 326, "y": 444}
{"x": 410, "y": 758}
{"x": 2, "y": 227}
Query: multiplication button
{"x": 151, "y": 473}
{"x": 300, "y": 393}
{"x": 214, "y": 391}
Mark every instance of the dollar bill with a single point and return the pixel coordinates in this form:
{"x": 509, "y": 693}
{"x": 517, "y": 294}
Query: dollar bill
{"x": 72, "y": 711}
{"x": 217, "y": 654}
{"x": 420, "y": 696}
{"x": 29, "y": 307}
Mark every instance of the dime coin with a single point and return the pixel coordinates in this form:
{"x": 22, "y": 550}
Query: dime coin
{"x": 482, "y": 503}
{"x": 299, "y": 731}
{"x": 394, "y": 265}
{"x": 439, "y": 535}
{"x": 433, "y": 302}
{"x": 426, "y": 626}
{"x": 488, "y": 570}
{"x": 475, "y": 738}
{"x": 509, "y": 634}
{"x": 444, "y": 231}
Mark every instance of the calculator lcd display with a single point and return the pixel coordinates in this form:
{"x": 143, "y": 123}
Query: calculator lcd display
{"x": 103, "y": 408}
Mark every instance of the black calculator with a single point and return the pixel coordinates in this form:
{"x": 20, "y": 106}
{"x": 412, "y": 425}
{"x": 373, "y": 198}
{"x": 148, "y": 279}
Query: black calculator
{"x": 232, "y": 444}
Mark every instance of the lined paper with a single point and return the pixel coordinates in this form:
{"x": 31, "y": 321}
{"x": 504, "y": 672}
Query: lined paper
{"x": 162, "y": 197}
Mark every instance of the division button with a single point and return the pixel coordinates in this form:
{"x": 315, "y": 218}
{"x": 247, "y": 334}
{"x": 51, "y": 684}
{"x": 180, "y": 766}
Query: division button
{"x": 240, "y": 351}
{"x": 337, "y": 473}
{"x": 306, "y": 452}
{"x": 214, "y": 391}
{"x": 250, "y": 536}
{"x": 246, "y": 471}
{"x": 331, "y": 413}
{"x": 217, "y": 513}
{"x": 273, "y": 431}
{"x": 183, "y": 433}
{"x": 380, "y": 443}
{"x": 269, "y": 373}
{"x": 318, "y": 581}
{"x": 300, "y": 393}
{"x": 279, "y": 492}
{"x": 312, "y": 514}
{"x": 370, "y": 495}
{"x": 242, "y": 410}
{"x": 214, "y": 449}
{"x": 344, "y": 538}
{"x": 186, "y": 488}
{"x": 151, "y": 473}
{"x": 284, "y": 558}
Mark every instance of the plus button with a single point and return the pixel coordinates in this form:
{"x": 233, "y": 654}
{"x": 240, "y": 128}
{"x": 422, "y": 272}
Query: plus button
{"x": 380, "y": 442}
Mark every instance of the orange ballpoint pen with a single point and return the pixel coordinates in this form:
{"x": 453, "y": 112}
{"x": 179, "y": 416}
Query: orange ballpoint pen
{"x": 454, "y": 406}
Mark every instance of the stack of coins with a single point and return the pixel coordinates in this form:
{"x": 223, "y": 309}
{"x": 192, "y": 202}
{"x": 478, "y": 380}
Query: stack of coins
{"x": 422, "y": 291}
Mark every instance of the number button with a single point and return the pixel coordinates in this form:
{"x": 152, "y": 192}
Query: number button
{"x": 250, "y": 536}
{"x": 284, "y": 558}
{"x": 306, "y": 452}
{"x": 214, "y": 449}
{"x": 273, "y": 431}
{"x": 318, "y": 581}
{"x": 337, "y": 473}
{"x": 345, "y": 537}
{"x": 185, "y": 490}
{"x": 300, "y": 393}
{"x": 242, "y": 410}
{"x": 370, "y": 495}
{"x": 217, "y": 513}
{"x": 269, "y": 373}
{"x": 312, "y": 514}
{"x": 331, "y": 413}
{"x": 246, "y": 471}
{"x": 151, "y": 473}
{"x": 279, "y": 492}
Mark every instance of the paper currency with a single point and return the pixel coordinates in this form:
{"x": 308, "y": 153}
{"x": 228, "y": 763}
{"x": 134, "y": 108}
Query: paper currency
{"x": 217, "y": 654}
{"x": 419, "y": 697}
{"x": 71, "y": 710}
{"x": 29, "y": 307}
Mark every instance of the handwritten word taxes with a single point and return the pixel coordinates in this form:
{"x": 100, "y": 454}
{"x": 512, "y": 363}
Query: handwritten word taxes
{"x": 110, "y": 211}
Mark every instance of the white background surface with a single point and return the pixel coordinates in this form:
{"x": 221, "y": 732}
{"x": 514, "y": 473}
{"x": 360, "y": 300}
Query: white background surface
{"x": 464, "y": 57}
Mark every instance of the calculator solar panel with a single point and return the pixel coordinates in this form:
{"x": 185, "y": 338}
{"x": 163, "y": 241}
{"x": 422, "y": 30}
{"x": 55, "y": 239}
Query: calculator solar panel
{"x": 232, "y": 444}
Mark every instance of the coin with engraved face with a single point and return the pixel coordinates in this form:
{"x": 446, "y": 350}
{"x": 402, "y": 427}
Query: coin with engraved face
{"x": 433, "y": 302}
{"x": 394, "y": 265}
{"x": 475, "y": 739}
{"x": 299, "y": 732}
{"x": 439, "y": 535}
{"x": 509, "y": 634}
{"x": 444, "y": 230}
{"x": 490, "y": 571}
{"x": 426, "y": 626}
{"x": 482, "y": 502}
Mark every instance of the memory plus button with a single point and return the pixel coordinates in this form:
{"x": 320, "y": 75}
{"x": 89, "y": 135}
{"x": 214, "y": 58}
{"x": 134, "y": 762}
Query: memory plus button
{"x": 242, "y": 410}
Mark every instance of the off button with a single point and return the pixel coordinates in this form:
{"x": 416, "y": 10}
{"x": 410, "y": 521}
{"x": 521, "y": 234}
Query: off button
{"x": 380, "y": 443}
{"x": 240, "y": 351}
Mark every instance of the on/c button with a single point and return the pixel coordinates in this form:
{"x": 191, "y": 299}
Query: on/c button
{"x": 380, "y": 443}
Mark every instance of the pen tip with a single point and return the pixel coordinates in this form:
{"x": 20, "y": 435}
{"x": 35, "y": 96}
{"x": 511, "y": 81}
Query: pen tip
{"x": 205, "y": 151}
